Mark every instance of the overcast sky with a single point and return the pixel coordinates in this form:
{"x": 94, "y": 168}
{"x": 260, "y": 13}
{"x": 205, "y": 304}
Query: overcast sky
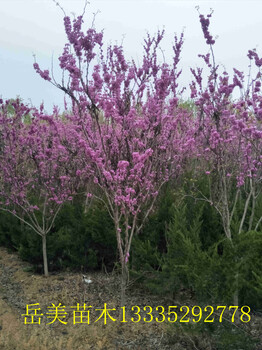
{"x": 30, "y": 27}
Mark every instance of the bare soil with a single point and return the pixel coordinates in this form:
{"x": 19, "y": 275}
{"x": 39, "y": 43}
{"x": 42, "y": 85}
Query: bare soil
{"x": 19, "y": 288}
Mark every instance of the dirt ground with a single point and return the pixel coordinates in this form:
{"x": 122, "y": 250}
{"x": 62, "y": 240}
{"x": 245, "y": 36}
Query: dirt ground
{"x": 19, "y": 288}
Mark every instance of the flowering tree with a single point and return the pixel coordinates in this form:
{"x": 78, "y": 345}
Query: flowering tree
{"x": 229, "y": 134}
{"x": 37, "y": 173}
{"x": 229, "y": 140}
{"x": 131, "y": 124}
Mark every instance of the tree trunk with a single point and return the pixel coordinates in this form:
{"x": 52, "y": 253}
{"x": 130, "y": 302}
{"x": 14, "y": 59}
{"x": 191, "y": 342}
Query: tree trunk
{"x": 44, "y": 255}
{"x": 225, "y": 209}
{"x": 245, "y": 211}
{"x": 226, "y": 226}
{"x": 124, "y": 279}
{"x": 251, "y": 219}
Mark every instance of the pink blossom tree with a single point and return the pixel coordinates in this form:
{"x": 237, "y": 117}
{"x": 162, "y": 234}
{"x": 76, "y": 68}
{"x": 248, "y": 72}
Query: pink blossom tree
{"x": 229, "y": 135}
{"x": 37, "y": 173}
{"x": 229, "y": 140}
{"x": 131, "y": 124}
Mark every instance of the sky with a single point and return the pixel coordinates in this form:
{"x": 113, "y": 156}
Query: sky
{"x": 35, "y": 27}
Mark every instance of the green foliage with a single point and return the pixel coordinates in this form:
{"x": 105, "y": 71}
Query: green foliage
{"x": 150, "y": 245}
{"x": 249, "y": 264}
{"x": 195, "y": 255}
{"x": 10, "y": 230}
{"x": 216, "y": 336}
{"x": 182, "y": 258}
{"x": 77, "y": 241}
{"x": 185, "y": 262}
{"x": 85, "y": 240}
{"x": 182, "y": 248}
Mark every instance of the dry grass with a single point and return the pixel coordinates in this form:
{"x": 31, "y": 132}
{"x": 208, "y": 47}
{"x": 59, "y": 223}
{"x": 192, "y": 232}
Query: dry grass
{"x": 19, "y": 288}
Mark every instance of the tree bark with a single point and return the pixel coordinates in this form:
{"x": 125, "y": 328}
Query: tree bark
{"x": 225, "y": 209}
{"x": 251, "y": 219}
{"x": 124, "y": 279}
{"x": 44, "y": 255}
{"x": 245, "y": 210}
{"x": 258, "y": 223}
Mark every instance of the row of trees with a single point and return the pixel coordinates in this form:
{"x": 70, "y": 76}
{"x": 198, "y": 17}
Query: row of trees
{"x": 127, "y": 134}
